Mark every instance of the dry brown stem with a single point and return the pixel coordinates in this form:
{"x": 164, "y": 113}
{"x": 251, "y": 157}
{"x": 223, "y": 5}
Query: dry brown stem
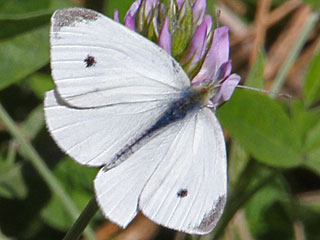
{"x": 260, "y": 28}
{"x": 285, "y": 42}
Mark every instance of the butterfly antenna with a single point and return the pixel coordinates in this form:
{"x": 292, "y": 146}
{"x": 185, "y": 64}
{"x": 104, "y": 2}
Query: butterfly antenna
{"x": 265, "y": 91}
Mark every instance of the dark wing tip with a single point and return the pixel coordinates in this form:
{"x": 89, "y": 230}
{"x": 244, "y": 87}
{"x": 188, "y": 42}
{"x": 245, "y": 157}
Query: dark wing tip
{"x": 71, "y": 16}
{"x": 211, "y": 219}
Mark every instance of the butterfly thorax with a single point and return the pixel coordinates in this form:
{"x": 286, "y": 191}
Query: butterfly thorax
{"x": 192, "y": 99}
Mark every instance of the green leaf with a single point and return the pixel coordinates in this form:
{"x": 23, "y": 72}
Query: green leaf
{"x": 312, "y": 149}
{"x": 12, "y": 25}
{"x": 55, "y": 215}
{"x": 307, "y": 126}
{"x": 263, "y": 128}
{"x": 34, "y": 123}
{"x": 238, "y": 160}
{"x": 311, "y": 89}
{"x": 40, "y": 83}
{"x": 23, "y": 55}
{"x": 11, "y": 181}
{"x": 312, "y": 160}
{"x": 303, "y": 119}
{"x": 17, "y": 22}
{"x": 261, "y": 209}
{"x": 18, "y": 6}
{"x": 78, "y": 181}
{"x": 256, "y": 75}
{"x": 313, "y": 138}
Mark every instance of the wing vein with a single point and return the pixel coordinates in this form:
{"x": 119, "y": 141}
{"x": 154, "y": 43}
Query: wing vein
{"x": 198, "y": 189}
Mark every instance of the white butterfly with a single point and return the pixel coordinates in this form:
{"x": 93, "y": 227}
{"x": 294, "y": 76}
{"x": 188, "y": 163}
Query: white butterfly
{"x": 122, "y": 103}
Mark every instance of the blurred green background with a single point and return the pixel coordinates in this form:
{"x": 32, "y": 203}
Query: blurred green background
{"x": 273, "y": 143}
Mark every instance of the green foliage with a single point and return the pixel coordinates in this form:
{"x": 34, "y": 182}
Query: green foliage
{"x": 307, "y": 125}
{"x": 257, "y": 122}
{"x": 78, "y": 185}
{"x": 23, "y": 55}
{"x": 311, "y": 88}
{"x": 238, "y": 160}
{"x": 11, "y": 181}
{"x": 39, "y": 83}
{"x": 315, "y": 4}
{"x": 120, "y": 5}
{"x": 261, "y": 208}
{"x": 18, "y": 7}
{"x": 255, "y": 77}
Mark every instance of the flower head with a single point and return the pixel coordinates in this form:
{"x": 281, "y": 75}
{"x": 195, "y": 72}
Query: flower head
{"x": 186, "y": 32}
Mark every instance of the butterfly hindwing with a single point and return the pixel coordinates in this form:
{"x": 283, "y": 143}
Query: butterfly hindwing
{"x": 177, "y": 179}
{"x": 118, "y": 189}
{"x": 187, "y": 191}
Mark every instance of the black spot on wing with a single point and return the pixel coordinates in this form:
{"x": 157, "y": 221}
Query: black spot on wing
{"x": 71, "y": 16}
{"x": 211, "y": 218}
{"x": 182, "y": 193}
{"x": 90, "y": 61}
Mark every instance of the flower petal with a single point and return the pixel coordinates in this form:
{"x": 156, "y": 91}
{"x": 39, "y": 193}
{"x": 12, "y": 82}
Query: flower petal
{"x": 226, "y": 90}
{"x": 223, "y": 71}
{"x": 207, "y": 18}
{"x": 149, "y": 6}
{"x": 130, "y": 22}
{"x": 197, "y": 46}
{"x": 130, "y": 17}
{"x": 179, "y": 3}
{"x": 165, "y": 37}
{"x": 155, "y": 21}
{"x": 217, "y": 54}
{"x": 199, "y": 8}
{"x": 116, "y": 15}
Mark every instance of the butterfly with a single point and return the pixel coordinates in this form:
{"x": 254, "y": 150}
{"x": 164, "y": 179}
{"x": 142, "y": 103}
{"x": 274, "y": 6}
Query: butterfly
{"x": 125, "y": 105}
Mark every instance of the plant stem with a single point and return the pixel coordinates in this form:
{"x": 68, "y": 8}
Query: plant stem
{"x": 82, "y": 222}
{"x": 41, "y": 167}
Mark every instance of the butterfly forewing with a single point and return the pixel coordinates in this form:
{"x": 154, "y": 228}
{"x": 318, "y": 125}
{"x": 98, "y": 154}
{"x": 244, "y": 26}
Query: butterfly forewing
{"x": 94, "y": 136}
{"x": 98, "y": 62}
